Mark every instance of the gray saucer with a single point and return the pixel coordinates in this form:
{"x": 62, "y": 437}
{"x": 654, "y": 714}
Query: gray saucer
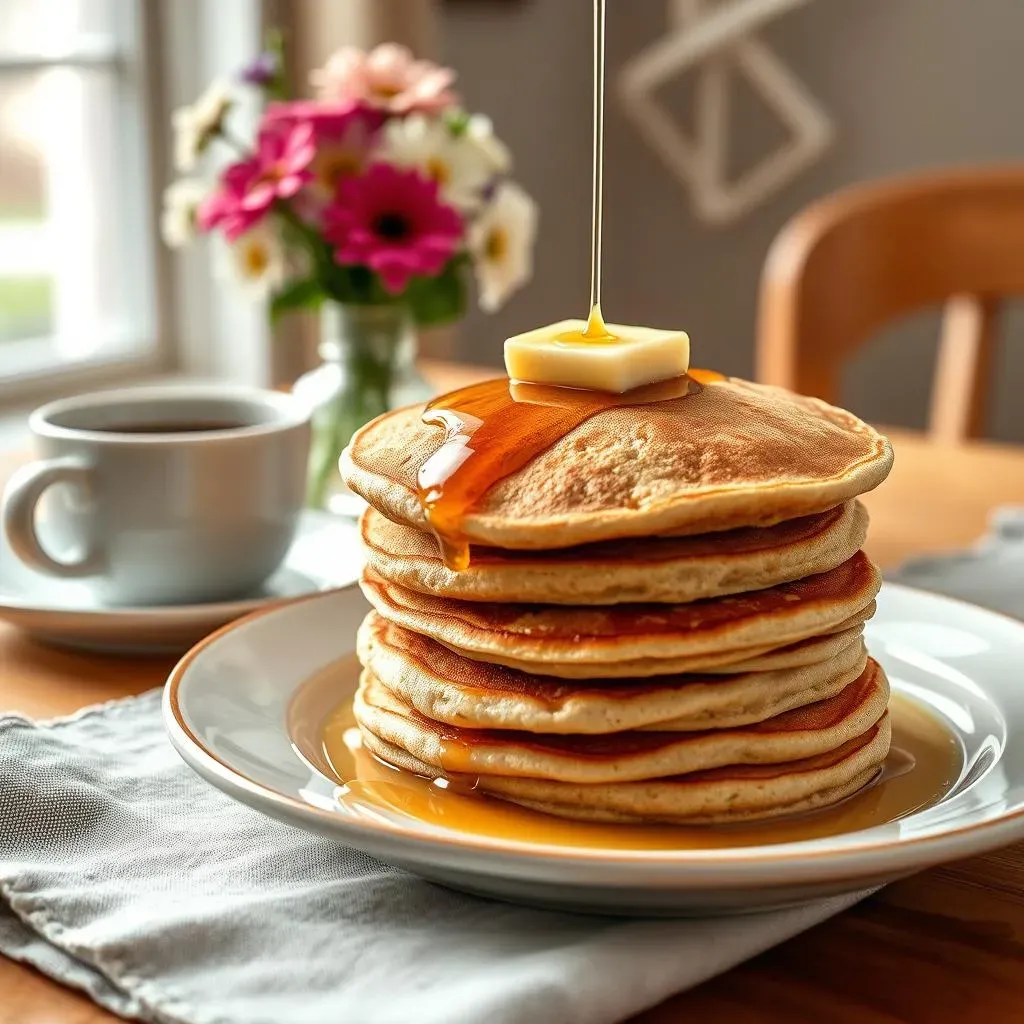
{"x": 325, "y": 554}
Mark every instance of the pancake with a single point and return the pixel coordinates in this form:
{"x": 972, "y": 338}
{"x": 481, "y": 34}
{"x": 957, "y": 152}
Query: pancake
{"x": 720, "y": 796}
{"x": 804, "y": 652}
{"x": 633, "y": 638}
{"x": 728, "y": 794}
{"x": 448, "y": 688}
{"x": 736, "y": 454}
{"x": 659, "y": 569}
{"x": 624, "y": 756}
{"x": 718, "y": 661}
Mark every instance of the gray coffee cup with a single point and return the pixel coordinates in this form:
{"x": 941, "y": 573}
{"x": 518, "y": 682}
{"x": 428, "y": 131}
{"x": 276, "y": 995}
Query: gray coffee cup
{"x": 162, "y": 495}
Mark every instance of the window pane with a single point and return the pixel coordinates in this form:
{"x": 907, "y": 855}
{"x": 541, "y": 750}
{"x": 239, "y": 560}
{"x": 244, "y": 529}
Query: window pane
{"x": 41, "y": 27}
{"x": 26, "y": 264}
{"x": 73, "y": 249}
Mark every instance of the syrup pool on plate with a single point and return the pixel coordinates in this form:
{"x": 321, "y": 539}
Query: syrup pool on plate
{"x": 924, "y": 764}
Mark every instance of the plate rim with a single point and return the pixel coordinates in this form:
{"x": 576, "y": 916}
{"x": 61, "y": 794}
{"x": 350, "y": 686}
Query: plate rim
{"x": 784, "y": 862}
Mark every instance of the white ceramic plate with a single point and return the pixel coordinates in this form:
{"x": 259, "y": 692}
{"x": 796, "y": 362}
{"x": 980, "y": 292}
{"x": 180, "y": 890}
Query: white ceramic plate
{"x": 326, "y": 553}
{"x": 227, "y": 701}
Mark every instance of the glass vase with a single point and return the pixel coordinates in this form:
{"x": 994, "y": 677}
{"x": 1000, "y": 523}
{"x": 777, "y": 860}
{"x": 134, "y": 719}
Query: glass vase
{"x": 368, "y": 367}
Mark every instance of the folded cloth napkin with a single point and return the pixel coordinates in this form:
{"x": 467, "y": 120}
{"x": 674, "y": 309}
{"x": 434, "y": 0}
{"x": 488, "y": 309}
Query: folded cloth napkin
{"x": 990, "y": 574}
{"x": 125, "y": 875}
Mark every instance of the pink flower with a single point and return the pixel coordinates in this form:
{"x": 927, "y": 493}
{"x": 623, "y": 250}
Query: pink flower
{"x": 387, "y": 78}
{"x": 343, "y": 134}
{"x": 393, "y": 222}
{"x": 327, "y": 118}
{"x": 280, "y": 166}
{"x": 223, "y": 208}
{"x": 277, "y": 170}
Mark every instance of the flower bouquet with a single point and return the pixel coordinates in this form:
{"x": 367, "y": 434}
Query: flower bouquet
{"x": 374, "y": 202}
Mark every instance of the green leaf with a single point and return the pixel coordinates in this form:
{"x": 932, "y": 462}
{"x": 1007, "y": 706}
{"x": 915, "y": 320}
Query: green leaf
{"x": 458, "y": 122}
{"x": 441, "y": 299}
{"x": 304, "y": 293}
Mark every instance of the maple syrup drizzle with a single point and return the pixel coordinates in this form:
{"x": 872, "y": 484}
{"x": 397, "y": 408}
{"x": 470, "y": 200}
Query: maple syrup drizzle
{"x": 596, "y": 331}
{"x": 925, "y": 763}
{"x": 497, "y": 427}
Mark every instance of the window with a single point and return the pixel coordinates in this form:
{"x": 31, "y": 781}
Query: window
{"x": 77, "y": 248}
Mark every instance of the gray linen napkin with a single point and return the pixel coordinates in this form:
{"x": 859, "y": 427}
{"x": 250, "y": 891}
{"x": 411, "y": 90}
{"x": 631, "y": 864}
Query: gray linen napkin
{"x": 125, "y": 875}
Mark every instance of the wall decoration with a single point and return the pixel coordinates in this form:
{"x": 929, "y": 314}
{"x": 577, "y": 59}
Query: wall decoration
{"x": 717, "y": 39}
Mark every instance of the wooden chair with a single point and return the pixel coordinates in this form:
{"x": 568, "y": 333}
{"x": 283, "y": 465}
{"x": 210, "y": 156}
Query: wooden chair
{"x": 865, "y": 256}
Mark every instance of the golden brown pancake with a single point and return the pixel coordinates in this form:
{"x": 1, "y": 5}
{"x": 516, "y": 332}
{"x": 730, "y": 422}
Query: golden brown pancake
{"x": 453, "y": 690}
{"x": 736, "y": 454}
{"x": 633, "y": 638}
{"x": 661, "y": 569}
{"x": 719, "y": 796}
{"x": 803, "y": 652}
{"x": 624, "y": 756}
{"x": 731, "y": 793}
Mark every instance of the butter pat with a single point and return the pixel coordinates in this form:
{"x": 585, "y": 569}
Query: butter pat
{"x": 630, "y": 358}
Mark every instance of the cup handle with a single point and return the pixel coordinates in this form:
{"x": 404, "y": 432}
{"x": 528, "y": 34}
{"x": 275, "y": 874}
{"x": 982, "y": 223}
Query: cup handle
{"x": 21, "y": 496}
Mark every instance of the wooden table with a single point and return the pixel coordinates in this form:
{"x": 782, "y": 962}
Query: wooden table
{"x": 946, "y": 945}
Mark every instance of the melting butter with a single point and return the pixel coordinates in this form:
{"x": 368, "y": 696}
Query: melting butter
{"x": 575, "y": 354}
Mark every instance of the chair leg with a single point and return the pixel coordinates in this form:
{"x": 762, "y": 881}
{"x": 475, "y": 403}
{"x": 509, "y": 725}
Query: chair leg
{"x": 963, "y": 371}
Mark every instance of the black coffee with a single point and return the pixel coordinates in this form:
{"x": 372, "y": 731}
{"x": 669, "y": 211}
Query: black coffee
{"x": 173, "y": 427}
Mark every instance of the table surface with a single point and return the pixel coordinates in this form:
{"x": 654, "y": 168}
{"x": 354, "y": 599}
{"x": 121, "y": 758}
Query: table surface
{"x": 945, "y": 945}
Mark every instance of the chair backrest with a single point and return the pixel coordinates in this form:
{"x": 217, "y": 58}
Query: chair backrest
{"x": 865, "y": 256}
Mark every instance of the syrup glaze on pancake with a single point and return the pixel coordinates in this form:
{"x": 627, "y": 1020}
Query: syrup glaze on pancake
{"x": 615, "y": 633}
{"x": 497, "y": 427}
{"x": 625, "y": 756}
{"x": 736, "y": 454}
{"x": 451, "y": 689}
{"x": 661, "y": 569}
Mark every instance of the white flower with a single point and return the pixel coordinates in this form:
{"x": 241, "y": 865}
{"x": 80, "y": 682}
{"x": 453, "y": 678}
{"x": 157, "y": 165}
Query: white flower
{"x": 461, "y": 167}
{"x": 258, "y": 260}
{"x": 197, "y": 126}
{"x": 178, "y": 221}
{"x": 480, "y": 133}
{"x": 501, "y": 241}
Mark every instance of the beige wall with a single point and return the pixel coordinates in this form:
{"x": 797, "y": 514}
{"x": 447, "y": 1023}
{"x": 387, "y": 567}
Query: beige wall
{"x": 321, "y": 26}
{"x": 909, "y": 82}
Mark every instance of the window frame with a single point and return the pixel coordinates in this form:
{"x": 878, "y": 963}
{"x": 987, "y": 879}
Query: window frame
{"x": 166, "y": 52}
{"x": 136, "y": 91}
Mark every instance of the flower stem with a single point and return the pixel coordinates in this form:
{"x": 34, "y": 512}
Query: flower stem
{"x": 236, "y": 144}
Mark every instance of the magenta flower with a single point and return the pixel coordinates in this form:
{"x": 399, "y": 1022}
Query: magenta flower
{"x": 277, "y": 170}
{"x": 393, "y": 222}
{"x": 280, "y": 166}
{"x": 223, "y": 208}
{"x": 322, "y": 115}
{"x": 343, "y": 133}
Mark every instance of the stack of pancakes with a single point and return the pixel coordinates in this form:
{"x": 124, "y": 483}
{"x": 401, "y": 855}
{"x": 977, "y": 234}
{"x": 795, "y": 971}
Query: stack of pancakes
{"x": 662, "y": 618}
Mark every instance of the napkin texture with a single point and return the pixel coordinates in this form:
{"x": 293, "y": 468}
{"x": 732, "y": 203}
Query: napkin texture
{"x": 123, "y": 874}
